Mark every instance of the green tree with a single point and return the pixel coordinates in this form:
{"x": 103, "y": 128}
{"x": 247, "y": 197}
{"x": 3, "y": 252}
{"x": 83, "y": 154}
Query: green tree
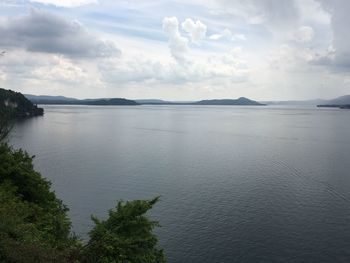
{"x": 126, "y": 236}
{"x": 5, "y": 123}
{"x": 34, "y": 225}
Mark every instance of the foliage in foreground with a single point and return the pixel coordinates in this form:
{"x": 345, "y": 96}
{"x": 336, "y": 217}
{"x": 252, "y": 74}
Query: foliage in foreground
{"x": 126, "y": 236}
{"x": 35, "y": 228}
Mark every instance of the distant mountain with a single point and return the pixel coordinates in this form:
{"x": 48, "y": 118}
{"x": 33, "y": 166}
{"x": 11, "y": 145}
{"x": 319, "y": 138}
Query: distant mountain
{"x": 163, "y": 102}
{"x": 340, "y": 102}
{"x": 35, "y": 98}
{"x": 241, "y": 101}
{"x": 343, "y": 100}
{"x": 153, "y": 101}
{"x": 16, "y": 105}
{"x": 61, "y": 100}
{"x": 296, "y": 102}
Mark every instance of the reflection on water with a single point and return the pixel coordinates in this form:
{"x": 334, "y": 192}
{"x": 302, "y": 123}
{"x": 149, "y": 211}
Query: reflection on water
{"x": 238, "y": 184}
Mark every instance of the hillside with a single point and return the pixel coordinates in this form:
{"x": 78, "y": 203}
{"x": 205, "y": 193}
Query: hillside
{"x": 337, "y": 102}
{"x": 343, "y": 100}
{"x": 241, "y": 101}
{"x": 38, "y": 99}
{"x": 61, "y": 100}
{"x": 296, "y": 102}
{"x": 17, "y": 105}
{"x": 153, "y": 101}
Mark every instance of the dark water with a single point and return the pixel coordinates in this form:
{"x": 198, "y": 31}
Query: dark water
{"x": 237, "y": 184}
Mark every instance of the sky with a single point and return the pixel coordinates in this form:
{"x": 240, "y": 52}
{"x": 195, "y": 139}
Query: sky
{"x": 176, "y": 50}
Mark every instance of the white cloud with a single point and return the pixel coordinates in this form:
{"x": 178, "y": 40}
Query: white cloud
{"x": 66, "y": 3}
{"x": 197, "y": 30}
{"x": 60, "y": 69}
{"x": 2, "y": 76}
{"x": 144, "y": 70}
{"x": 44, "y": 73}
{"x": 178, "y": 44}
{"x": 228, "y": 35}
{"x": 289, "y": 58}
{"x": 304, "y": 34}
{"x": 215, "y": 36}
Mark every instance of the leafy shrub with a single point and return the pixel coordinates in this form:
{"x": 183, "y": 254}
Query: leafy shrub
{"x": 126, "y": 236}
{"x": 34, "y": 226}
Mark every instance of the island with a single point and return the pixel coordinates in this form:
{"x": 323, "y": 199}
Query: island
{"x": 242, "y": 101}
{"x": 108, "y": 102}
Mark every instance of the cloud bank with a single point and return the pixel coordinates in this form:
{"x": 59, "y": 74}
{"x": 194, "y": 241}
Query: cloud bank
{"x": 40, "y": 31}
{"x": 264, "y": 49}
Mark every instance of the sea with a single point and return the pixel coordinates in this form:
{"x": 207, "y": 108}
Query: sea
{"x": 236, "y": 183}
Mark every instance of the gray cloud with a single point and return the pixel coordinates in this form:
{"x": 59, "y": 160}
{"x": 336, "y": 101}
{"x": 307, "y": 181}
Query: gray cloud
{"x": 340, "y": 21}
{"x": 41, "y": 31}
{"x": 341, "y": 39}
{"x": 274, "y": 13}
{"x": 304, "y": 34}
{"x": 290, "y": 15}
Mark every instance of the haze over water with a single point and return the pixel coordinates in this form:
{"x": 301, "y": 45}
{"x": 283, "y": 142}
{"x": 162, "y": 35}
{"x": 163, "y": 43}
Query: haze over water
{"x": 237, "y": 184}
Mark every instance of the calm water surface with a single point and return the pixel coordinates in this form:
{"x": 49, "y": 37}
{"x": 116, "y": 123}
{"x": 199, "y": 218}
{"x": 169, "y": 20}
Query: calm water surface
{"x": 238, "y": 184}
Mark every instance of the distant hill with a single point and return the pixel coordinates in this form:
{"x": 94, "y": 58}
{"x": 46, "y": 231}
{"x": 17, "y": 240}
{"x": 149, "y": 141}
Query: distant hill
{"x": 343, "y": 100}
{"x": 112, "y": 101}
{"x": 153, "y": 101}
{"x": 163, "y": 102}
{"x": 296, "y": 102}
{"x": 339, "y": 102}
{"x": 45, "y": 98}
{"x": 241, "y": 101}
{"x": 61, "y": 100}
{"x": 17, "y": 105}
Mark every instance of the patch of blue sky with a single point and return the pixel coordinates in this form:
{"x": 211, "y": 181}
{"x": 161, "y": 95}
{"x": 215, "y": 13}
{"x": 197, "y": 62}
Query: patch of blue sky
{"x": 12, "y": 8}
{"x": 128, "y": 30}
{"x": 130, "y": 18}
